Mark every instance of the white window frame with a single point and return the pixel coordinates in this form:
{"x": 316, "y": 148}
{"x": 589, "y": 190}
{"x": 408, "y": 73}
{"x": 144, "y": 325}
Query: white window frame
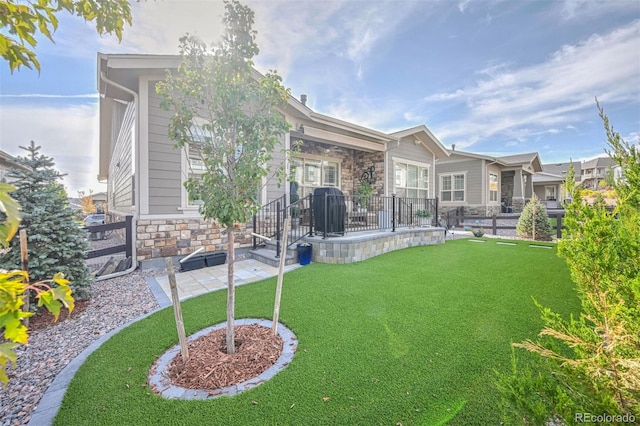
{"x": 186, "y": 172}
{"x": 497, "y": 190}
{"x": 546, "y": 193}
{"x": 419, "y": 165}
{"x": 452, "y": 190}
{"x": 303, "y": 186}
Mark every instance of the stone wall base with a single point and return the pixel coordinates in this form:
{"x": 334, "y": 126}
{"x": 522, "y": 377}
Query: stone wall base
{"x": 180, "y": 237}
{"x": 355, "y": 248}
{"x": 471, "y": 210}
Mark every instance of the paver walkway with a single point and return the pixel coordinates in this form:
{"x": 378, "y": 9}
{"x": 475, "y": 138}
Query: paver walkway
{"x": 200, "y": 281}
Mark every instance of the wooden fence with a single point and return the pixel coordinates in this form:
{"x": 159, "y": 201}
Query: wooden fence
{"x": 127, "y": 225}
{"x": 458, "y": 219}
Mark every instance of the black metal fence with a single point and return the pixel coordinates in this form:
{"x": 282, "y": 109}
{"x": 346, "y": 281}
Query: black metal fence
{"x": 331, "y": 214}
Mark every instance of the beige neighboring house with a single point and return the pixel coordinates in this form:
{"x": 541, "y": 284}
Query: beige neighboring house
{"x": 549, "y": 184}
{"x": 8, "y": 162}
{"x": 594, "y": 171}
{"x": 100, "y": 201}
{"x": 484, "y": 185}
{"x": 145, "y": 173}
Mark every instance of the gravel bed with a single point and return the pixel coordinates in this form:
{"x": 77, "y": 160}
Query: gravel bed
{"x": 113, "y": 303}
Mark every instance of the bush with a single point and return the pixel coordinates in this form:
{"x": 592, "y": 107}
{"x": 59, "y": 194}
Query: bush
{"x": 55, "y": 242}
{"x": 534, "y": 212}
{"x": 588, "y": 193}
{"x": 589, "y": 363}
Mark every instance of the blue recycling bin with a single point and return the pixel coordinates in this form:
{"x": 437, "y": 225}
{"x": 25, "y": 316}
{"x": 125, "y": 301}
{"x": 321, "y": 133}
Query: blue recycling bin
{"x": 304, "y": 253}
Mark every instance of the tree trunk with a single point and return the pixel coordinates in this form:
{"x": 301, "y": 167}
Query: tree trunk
{"x": 231, "y": 348}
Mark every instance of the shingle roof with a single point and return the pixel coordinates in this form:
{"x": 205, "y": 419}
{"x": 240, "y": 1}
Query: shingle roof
{"x": 519, "y": 158}
{"x": 598, "y": 162}
{"x": 560, "y": 169}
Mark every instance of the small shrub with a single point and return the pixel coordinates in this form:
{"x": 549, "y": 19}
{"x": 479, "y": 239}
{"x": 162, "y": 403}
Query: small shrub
{"x": 587, "y": 193}
{"x": 534, "y": 212}
{"x": 55, "y": 242}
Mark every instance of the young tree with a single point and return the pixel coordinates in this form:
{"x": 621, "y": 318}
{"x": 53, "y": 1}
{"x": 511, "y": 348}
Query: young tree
{"x": 534, "y": 221}
{"x": 233, "y": 120}
{"x": 51, "y": 294}
{"x": 593, "y": 362}
{"x": 86, "y": 201}
{"x": 20, "y": 23}
{"x": 55, "y": 242}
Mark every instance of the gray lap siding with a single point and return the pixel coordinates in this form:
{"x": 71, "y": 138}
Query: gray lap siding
{"x": 165, "y": 180}
{"x": 121, "y": 168}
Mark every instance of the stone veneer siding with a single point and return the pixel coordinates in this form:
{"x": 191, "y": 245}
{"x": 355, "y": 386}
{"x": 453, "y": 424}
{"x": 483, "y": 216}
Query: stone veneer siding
{"x": 471, "y": 210}
{"x": 350, "y": 249}
{"x": 353, "y": 164}
{"x": 179, "y": 237}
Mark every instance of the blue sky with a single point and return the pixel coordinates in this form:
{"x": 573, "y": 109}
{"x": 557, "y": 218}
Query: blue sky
{"x": 490, "y": 76}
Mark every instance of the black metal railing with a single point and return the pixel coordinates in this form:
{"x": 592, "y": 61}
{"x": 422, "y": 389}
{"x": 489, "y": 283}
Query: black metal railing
{"x": 330, "y": 215}
{"x": 268, "y": 221}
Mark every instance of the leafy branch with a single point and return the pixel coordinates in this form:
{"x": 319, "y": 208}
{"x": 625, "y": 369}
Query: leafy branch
{"x": 20, "y": 22}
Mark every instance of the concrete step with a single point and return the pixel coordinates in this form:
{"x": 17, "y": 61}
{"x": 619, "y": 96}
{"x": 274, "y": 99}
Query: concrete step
{"x": 271, "y": 245}
{"x": 268, "y": 256}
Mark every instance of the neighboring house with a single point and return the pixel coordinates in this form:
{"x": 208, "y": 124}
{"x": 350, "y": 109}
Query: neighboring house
{"x": 8, "y": 162}
{"x": 618, "y": 174}
{"x": 594, "y": 171}
{"x": 100, "y": 201}
{"x": 484, "y": 185}
{"x": 145, "y": 173}
{"x": 549, "y": 183}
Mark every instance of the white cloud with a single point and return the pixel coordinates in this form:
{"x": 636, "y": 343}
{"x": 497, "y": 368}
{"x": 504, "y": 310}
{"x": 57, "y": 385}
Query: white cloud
{"x": 375, "y": 114}
{"x": 580, "y": 9}
{"x": 156, "y": 28}
{"x": 462, "y": 6}
{"x": 291, "y": 31}
{"x": 67, "y": 133}
{"x": 554, "y": 93}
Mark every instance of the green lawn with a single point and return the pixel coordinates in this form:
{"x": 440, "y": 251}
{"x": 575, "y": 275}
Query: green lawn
{"x": 410, "y": 337}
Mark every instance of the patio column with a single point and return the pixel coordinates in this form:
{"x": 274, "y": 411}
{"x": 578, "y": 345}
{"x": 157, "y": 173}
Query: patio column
{"x": 517, "y": 201}
{"x": 528, "y": 187}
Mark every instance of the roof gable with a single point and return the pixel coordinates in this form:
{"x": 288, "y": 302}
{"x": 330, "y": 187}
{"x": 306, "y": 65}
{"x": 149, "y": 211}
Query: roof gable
{"x": 529, "y": 158}
{"x": 426, "y": 138}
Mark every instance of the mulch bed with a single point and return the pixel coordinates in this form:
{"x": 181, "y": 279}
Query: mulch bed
{"x": 43, "y": 318}
{"x": 209, "y": 367}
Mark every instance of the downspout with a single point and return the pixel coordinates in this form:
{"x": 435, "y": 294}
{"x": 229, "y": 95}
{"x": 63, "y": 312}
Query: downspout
{"x": 136, "y": 103}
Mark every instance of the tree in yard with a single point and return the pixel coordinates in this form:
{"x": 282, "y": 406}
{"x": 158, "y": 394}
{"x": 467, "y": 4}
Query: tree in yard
{"x": 231, "y": 120}
{"x": 55, "y": 242}
{"x": 52, "y": 294}
{"x": 86, "y": 201}
{"x": 21, "y": 22}
{"x": 534, "y": 221}
{"x": 591, "y": 363}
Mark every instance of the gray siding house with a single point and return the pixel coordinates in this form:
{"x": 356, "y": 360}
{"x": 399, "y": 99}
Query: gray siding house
{"x": 145, "y": 173}
{"x": 485, "y": 185}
